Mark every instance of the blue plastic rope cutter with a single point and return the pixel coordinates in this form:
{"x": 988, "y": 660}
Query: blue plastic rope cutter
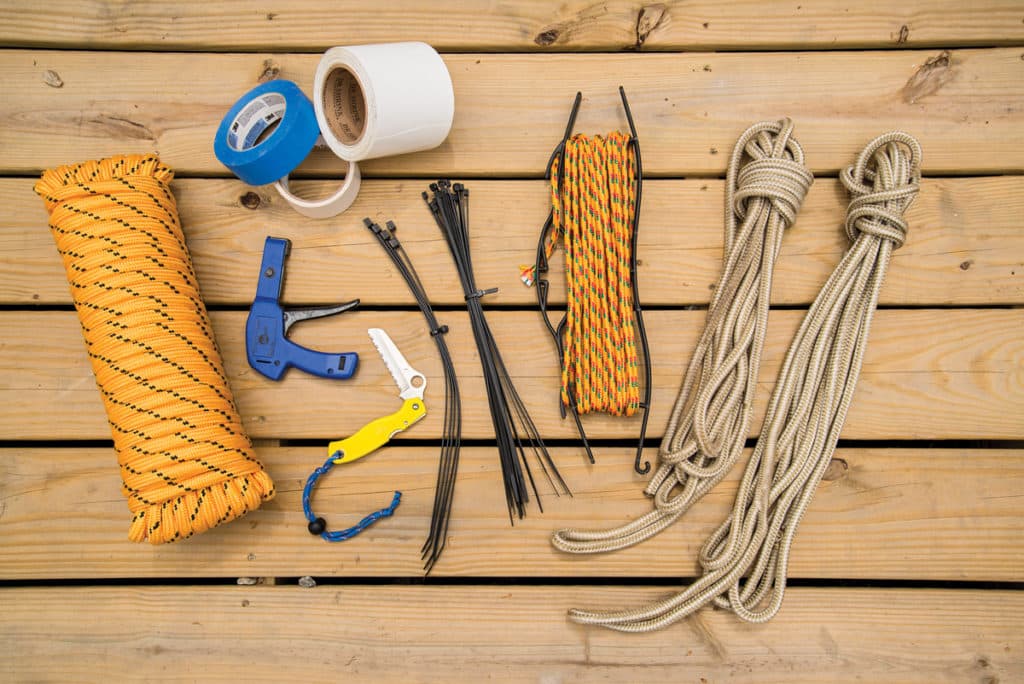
{"x": 266, "y": 331}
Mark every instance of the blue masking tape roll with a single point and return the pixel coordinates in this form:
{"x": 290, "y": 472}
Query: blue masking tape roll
{"x": 257, "y": 161}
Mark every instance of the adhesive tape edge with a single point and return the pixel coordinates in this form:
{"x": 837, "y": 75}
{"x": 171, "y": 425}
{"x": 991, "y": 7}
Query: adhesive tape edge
{"x": 285, "y": 148}
{"x": 335, "y": 57}
{"x": 330, "y": 206}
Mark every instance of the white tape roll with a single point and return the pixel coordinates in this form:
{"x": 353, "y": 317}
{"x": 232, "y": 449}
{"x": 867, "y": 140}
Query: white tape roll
{"x": 338, "y": 202}
{"x": 381, "y": 100}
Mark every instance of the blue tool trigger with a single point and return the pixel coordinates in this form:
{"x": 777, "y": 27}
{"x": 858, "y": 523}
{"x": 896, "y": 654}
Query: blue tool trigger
{"x": 267, "y": 346}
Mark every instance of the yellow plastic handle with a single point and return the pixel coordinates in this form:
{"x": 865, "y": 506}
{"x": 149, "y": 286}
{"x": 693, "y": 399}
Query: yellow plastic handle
{"x": 377, "y": 433}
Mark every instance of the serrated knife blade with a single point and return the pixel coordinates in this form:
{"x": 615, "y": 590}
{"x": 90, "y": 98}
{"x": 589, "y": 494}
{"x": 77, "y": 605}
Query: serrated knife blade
{"x": 410, "y": 381}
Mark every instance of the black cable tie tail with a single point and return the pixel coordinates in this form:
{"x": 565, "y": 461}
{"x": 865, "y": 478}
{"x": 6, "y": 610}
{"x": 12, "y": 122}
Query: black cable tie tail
{"x": 480, "y": 293}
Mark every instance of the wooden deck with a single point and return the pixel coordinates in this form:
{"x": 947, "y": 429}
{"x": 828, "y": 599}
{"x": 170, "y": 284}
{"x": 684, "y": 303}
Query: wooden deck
{"x": 909, "y": 565}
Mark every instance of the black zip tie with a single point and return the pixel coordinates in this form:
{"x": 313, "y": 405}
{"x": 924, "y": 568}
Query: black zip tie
{"x": 514, "y": 430}
{"x": 451, "y": 440}
{"x": 480, "y": 293}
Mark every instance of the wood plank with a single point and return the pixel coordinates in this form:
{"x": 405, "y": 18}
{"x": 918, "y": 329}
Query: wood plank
{"x": 965, "y": 383}
{"x": 964, "y": 107}
{"x": 965, "y": 243}
{"x": 315, "y": 25}
{"x": 428, "y": 634}
{"x": 908, "y": 514}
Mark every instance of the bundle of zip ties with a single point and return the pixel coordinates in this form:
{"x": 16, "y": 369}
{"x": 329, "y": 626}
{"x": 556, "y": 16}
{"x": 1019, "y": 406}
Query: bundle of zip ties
{"x": 514, "y": 430}
{"x": 451, "y": 439}
{"x": 745, "y": 560}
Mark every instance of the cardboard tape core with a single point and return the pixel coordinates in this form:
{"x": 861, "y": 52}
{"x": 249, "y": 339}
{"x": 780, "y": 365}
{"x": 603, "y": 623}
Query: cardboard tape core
{"x": 344, "y": 100}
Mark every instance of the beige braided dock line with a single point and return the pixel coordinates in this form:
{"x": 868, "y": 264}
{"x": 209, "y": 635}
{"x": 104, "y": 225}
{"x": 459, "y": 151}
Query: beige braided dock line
{"x": 766, "y": 183}
{"x": 745, "y": 560}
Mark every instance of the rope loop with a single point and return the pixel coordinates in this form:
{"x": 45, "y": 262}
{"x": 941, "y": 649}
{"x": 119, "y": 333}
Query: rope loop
{"x": 318, "y": 526}
{"x": 745, "y": 561}
{"x": 782, "y": 181}
{"x": 882, "y": 183}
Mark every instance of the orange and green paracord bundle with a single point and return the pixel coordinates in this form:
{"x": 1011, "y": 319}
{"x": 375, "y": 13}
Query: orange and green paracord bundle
{"x": 186, "y": 462}
{"x": 593, "y": 201}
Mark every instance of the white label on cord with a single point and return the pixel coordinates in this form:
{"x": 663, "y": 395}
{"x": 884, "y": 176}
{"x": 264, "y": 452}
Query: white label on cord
{"x": 255, "y": 118}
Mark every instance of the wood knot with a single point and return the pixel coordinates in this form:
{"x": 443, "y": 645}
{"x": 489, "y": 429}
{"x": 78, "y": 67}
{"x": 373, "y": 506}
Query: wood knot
{"x": 964, "y": 265}
{"x": 650, "y": 18}
{"x": 936, "y": 72}
{"x": 53, "y": 79}
{"x": 546, "y": 38}
{"x": 270, "y": 71}
{"x": 836, "y": 469}
{"x": 250, "y": 200}
{"x": 904, "y": 35}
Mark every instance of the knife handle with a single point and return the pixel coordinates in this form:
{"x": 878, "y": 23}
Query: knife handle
{"x": 377, "y": 433}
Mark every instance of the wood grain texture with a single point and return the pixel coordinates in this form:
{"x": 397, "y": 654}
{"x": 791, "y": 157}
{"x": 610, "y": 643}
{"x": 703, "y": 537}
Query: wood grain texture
{"x": 963, "y": 106}
{"x": 965, "y": 244}
{"x": 907, "y": 514}
{"x": 966, "y": 382}
{"x": 430, "y": 634}
{"x": 477, "y": 25}
{"x": 114, "y": 77}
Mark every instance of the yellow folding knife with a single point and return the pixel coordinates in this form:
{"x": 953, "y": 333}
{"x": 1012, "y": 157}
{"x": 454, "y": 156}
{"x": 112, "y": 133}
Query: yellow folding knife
{"x": 375, "y": 434}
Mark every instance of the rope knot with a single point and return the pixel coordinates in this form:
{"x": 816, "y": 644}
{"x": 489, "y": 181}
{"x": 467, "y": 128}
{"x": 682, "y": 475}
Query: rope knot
{"x": 782, "y": 181}
{"x": 775, "y": 170}
{"x": 883, "y": 183}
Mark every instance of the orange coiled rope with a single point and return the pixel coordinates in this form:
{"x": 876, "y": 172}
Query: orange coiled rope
{"x": 186, "y": 462}
{"x": 593, "y": 205}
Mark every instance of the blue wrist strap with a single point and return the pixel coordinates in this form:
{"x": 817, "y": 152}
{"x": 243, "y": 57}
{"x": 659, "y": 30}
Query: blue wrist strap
{"x": 348, "y": 532}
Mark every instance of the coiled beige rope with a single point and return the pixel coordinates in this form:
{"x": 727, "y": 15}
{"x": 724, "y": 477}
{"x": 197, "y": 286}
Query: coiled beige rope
{"x": 745, "y": 560}
{"x": 766, "y": 183}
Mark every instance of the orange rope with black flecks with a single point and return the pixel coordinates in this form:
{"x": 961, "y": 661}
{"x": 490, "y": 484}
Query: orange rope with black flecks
{"x": 593, "y": 204}
{"x": 186, "y": 462}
